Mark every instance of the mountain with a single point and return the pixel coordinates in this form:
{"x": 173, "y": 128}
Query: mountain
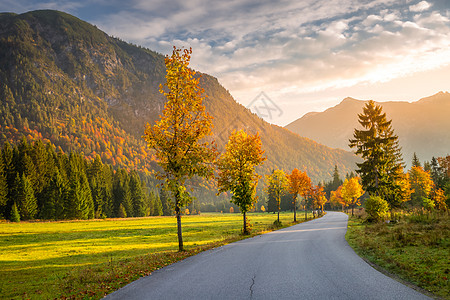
{"x": 422, "y": 126}
{"x": 65, "y": 81}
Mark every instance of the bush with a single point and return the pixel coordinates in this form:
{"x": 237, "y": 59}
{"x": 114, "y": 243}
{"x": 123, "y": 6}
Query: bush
{"x": 376, "y": 209}
{"x": 428, "y": 204}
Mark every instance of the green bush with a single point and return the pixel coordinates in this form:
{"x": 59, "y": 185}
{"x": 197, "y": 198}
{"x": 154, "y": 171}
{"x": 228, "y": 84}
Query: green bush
{"x": 427, "y": 203}
{"x": 376, "y": 209}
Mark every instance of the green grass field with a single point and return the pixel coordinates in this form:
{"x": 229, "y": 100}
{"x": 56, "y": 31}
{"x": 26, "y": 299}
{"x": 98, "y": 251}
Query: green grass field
{"x": 78, "y": 259}
{"x": 416, "y": 248}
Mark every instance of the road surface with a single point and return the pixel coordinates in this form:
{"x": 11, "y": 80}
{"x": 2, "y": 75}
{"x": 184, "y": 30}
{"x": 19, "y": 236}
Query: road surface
{"x": 311, "y": 260}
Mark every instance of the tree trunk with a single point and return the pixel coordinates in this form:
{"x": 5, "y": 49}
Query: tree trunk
{"x": 180, "y": 236}
{"x": 245, "y": 224}
{"x": 295, "y": 211}
{"x": 178, "y": 215}
{"x": 278, "y": 215}
{"x": 306, "y": 213}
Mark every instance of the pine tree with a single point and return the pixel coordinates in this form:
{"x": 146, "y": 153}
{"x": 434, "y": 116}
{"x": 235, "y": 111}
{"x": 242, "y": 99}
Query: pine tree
{"x": 121, "y": 192}
{"x": 164, "y": 197}
{"x": 415, "y": 161}
{"x": 54, "y": 197}
{"x": 137, "y": 195}
{"x": 15, "y": 216}
{"x": 79, "y": 204}
{"x": 3, "y": 190}
{"x": 378, "y": 146}
{"x": 159, "y": 208}
{"x": 122, "y": 212}
{"x": 25, "y": 198}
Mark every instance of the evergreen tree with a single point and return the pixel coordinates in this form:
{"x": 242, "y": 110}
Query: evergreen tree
{"x": 415, "y": 161}
{"x": 79, "y": 204}
{"x": 378, "y": 146}
{"x": 137, "y": 195}
{"x": 15, "y": 216}
{"x": 437, "y": 173}
{"x": 159, "y": 208}
{"x": 164, "y": 197}
{"x": 121, "y": 212}
{"x": 55, "y": 194}
{"x": 121, "y": 192}
{"x": 25, "y": 198}
{"x": 3, "y": 190}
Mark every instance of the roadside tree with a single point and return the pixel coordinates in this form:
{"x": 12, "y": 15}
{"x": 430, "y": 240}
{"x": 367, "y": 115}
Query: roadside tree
{"x": 178, "y": 138}
{"x": 351, "y": 191}
{"x": 299, "y": 184}
{"x": 237, "y": 170}
{"x": 377, "y": 144}
{"x": 277, "y": 184}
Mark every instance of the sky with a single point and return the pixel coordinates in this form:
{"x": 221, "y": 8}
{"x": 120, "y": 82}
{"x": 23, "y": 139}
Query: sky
{"x": 283, "y": 59}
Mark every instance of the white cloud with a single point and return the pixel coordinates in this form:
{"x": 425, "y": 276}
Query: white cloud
{"x": 421, "y": 6}
{"x": 290, "y": 49}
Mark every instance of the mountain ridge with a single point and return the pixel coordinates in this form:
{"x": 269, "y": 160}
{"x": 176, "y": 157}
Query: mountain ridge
{"x": 422, "y": 125}
{"x": 65, "y": 81}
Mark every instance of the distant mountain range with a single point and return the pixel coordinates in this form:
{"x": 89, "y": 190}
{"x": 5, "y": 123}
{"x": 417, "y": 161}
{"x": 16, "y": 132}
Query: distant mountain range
{"x": 422, "y": 126}
{"x": 65, "y": 81}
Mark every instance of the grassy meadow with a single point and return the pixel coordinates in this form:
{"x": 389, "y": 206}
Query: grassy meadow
{"x": 415, "y": 247}
{"x": 88, "y": 259}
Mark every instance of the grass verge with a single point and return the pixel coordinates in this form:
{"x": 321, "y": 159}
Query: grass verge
{"x": 89, "y": 259}
{"x": 415, "y": 248}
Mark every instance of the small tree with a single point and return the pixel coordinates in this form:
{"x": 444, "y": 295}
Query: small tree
{"x": 176, "y": 137}
{"x": 318, "y": 198}
{"x": 336, "y": 197}
{"x": 277, "y": 184}
{"x": 299, "y": 184}
{"x": 351, "y": 191}
{"x": 237, "y": 170}
{"x": 439, "y": 199}
{"x": 15, "y": 216}
{"x": 421, "y": 183}
{"x": 376, "y": 208}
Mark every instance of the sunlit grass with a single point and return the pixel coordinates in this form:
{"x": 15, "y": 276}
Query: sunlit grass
{"x": 416, "y": 248}
{"x": 36, "y": 258}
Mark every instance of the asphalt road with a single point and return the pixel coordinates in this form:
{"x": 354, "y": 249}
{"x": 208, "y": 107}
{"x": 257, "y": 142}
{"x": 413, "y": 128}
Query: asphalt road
{"x": 311, "y": 260}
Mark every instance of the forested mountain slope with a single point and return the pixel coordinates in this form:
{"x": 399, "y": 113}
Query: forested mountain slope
{"x": 65, "y": 81}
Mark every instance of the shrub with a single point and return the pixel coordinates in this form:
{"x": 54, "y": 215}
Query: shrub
{"x": 428, "y": 204}
{"x": 376, "y": 208}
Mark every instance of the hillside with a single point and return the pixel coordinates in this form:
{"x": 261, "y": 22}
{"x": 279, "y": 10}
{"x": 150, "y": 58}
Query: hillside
{"x": 422, "y": 126}
{"x": 63, "y": 80}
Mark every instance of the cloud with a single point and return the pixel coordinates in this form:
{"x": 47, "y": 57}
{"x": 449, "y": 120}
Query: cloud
{"x": 289, "y": 49}
{"x": 421, "y": 6}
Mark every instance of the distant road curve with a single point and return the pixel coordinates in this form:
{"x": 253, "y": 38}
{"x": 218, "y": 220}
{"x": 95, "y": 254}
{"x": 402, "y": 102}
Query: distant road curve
{"x": 311, "y": 260}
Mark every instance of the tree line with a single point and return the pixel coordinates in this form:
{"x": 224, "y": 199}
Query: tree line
{"x": 38, "y": 182}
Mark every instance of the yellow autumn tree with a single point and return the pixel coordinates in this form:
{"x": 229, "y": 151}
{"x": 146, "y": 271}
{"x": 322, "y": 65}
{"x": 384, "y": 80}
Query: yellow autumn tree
{"x": 277, "y": 183}
{"x": 237, "y": 172}
{"x": 421, "y": 183}
{"x": 351, "y": 191}
{"x": 178, "y": 137}
{"x": 318, "y": 198}
{"x": 299, "y": 184}
{"x": 336, "y": 197}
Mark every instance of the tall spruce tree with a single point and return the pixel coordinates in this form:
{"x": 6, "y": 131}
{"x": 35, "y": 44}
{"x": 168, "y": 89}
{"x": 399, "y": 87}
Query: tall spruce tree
{"x": 137, "y": 195}
{"x": 3, "y": 190}
{"x": 24, "y": 195}
{"x": 377, "y": 144}
{"x": 415, "y": 161}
